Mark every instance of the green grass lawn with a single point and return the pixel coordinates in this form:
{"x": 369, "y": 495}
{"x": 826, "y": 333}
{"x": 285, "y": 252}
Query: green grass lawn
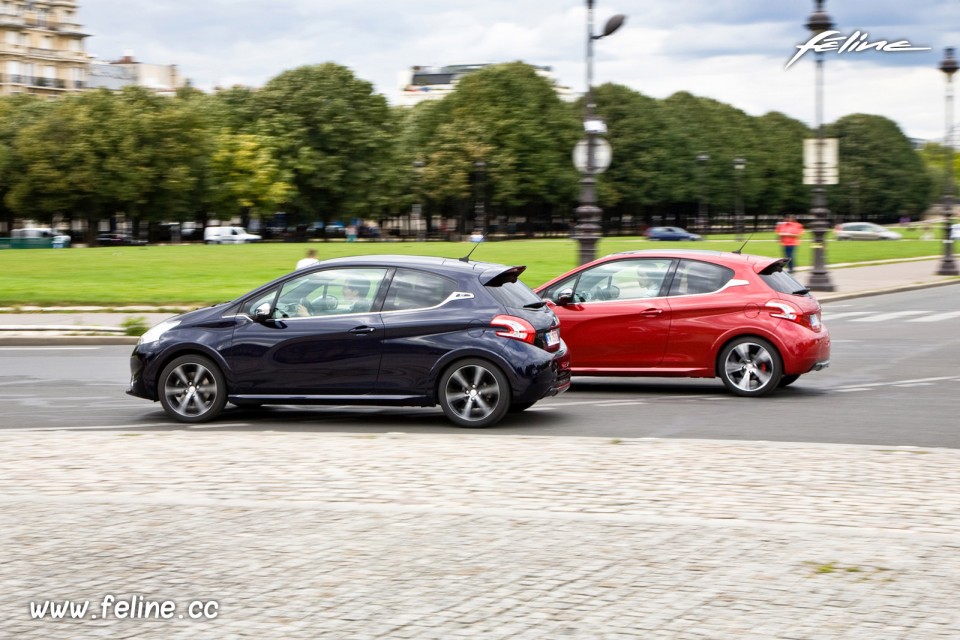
{"x": 194, "y": 275}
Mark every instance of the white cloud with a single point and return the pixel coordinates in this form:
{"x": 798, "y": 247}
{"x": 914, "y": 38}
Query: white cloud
{"x": 730, "y": 50}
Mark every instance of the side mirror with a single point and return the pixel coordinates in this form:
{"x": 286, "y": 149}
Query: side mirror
{"x": 263, "y": 313}
{"x": 564, "y": 297}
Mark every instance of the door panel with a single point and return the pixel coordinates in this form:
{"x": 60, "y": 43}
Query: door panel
{"x": 336, "y": 355}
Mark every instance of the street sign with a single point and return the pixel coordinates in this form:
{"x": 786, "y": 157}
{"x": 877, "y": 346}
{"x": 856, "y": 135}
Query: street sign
{"x": 829, "y": 157}
{"x": 602, "y": 153}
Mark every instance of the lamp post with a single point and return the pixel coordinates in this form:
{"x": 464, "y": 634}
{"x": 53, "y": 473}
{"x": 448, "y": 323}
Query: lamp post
{"x": 417, "y": 211}
{"x": 702, "y": 216}
{"x": 947, "y": 266}
{"x": 738, "y": 166}
{"x": 479, "y": 210}
{"x": 819, "y": 22}
{"x": 588, "y": 230}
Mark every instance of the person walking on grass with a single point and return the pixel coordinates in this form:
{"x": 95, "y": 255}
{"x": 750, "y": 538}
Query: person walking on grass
{"x": 309, "y": 260}
{"x": 789, "y": 231}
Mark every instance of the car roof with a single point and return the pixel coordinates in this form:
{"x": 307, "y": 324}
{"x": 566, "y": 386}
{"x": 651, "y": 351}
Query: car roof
{"x": 728, "y": 257}
{"x": 486, "y": 271}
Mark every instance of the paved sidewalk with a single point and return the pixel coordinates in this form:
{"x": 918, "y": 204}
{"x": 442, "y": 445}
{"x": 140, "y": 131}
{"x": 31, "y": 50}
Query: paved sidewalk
{"x": 479, "y": 535}
{"x": 311, "y": 535}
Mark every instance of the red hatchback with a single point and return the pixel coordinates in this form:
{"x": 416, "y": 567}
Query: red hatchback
{"x": 691, "y": 314}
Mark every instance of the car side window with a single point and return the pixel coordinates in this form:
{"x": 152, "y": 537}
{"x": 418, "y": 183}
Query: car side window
{"x": 329, "y": 292}
{"x": 638, "y": 279}
{"x": 628, "y": 279}
{"x": 693, "y": 277}
{"x": 412, "y": 289}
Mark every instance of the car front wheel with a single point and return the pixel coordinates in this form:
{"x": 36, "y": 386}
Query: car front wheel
{"x": 750, "y": 367}
{"x": 192, "y": 389}
{"x": 474, "y": 393}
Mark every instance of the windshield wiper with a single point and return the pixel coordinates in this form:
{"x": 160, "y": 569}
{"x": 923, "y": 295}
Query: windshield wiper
{"x": 535, "y": 305}
{"x": 801, "y": 292}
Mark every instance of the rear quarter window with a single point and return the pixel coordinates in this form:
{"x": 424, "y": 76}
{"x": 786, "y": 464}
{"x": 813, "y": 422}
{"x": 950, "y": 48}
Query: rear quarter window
{"x": 783, "y": 282}
{"x": 513, "y": 295}
{"x": 693, "y": 277}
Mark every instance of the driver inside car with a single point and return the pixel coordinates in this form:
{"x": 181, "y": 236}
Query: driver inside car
{"x": 649, "y": 288}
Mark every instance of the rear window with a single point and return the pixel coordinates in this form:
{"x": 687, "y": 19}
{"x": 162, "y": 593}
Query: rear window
{"x": 783, "y": 282}
{"x": 513, "y": 295}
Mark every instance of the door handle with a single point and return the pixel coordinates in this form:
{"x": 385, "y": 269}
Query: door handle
{"x": 651, "y": 313}
{"x": 362, "y": 330}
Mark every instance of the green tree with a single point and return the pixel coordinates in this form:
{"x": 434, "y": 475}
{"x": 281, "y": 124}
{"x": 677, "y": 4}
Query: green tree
{"x": 331, "y": 134}
{"x": 512, "y": 119}
{"x": 244, "y": 177}
{"x": 16, "y": 113}
{"x": 60, "y": 160}
{"x": 779, "y": 166}
{"x": 646, "y": 162}
{"x": 882, "y": 177}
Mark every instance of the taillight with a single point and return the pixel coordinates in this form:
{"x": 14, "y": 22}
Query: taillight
{"x": 515, "y": 328}
{"x": 786, "y": 311}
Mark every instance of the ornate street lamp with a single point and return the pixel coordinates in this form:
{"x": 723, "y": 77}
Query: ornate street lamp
{"x": 738, "y": 166}
{"x": 479, "y": 210}
{"x": 947, "y": 266}
{"x": 588, "y": 230}
{"x": 703, "y": 224}
{"x": 819, "y": 22}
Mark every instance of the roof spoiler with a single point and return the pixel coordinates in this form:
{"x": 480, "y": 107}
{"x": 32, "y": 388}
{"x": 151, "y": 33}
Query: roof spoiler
{"x": 774, "y": 266}
{"x": 498, "y": 276}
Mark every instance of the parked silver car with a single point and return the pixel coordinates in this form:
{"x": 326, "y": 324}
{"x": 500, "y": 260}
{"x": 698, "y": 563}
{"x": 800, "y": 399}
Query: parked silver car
{"x": 864, "y": 231}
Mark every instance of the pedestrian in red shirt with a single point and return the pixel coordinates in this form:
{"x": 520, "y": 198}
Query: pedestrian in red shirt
{"x": 789, "y": 231}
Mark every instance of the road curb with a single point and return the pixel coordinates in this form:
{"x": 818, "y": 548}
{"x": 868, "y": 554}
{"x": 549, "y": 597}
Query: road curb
{"x": 831, "y": 297}
{"x": 48, "y": 340}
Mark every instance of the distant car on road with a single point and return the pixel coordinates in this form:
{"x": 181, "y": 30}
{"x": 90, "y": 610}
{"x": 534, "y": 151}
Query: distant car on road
{"x": 229, "y": 235}
{"x": 671, "y": 233}
{"x": 365, "y": 330}
{"x": 864, "y": 231}
{"x": 119, "y": 240}
{"x": 690, "y": 314}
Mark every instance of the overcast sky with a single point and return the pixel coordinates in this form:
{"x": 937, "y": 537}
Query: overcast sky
{"x": 734, "y": 51}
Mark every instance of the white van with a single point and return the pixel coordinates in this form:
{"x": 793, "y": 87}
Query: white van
{"x": 228, "y": 235}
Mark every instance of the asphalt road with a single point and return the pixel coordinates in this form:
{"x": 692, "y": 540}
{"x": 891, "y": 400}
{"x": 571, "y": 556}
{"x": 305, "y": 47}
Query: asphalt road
{"x": 893, "y": 381}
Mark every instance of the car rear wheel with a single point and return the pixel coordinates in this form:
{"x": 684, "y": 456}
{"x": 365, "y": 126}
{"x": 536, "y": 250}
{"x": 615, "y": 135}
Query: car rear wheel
{"x": 192, "y": 389}
{"x": 474, "y": 393}
{"x": 750, "y": 367}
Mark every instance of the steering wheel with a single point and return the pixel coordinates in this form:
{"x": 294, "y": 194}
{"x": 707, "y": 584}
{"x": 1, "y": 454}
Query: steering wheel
{"x": 306, "y": 304}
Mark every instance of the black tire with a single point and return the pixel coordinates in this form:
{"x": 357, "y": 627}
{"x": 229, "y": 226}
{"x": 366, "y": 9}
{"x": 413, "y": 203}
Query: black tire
{"x": 192, "y": 389}
{"x": 786, "y": 381}
{"x": 474, "y": 393}
{"x": 750, "y": 367}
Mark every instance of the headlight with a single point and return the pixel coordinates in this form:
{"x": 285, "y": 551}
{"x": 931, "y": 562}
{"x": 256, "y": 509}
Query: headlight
{"x": 157, "y": 332}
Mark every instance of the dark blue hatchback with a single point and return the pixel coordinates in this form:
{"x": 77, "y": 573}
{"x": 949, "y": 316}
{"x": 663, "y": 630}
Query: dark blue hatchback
{"x": 373, "y": 330}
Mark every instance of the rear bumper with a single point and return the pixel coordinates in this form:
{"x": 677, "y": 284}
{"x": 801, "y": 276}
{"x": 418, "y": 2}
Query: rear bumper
{"x": 803, "y": 350}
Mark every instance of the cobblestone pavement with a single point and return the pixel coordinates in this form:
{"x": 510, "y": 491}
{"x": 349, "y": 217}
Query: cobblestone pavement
{"x": 308, "y": 535}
